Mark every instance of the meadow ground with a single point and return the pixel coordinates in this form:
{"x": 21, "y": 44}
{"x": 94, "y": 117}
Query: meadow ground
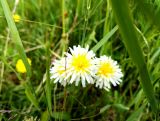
{"x": 43, "y": 30}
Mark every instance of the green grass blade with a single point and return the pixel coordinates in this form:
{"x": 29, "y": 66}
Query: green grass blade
{"x": 15, "y": 35}
{"x": 126, "y": 27}
{"x": 105, "y": 39}
{"x": 30, "y": 95}
{"x": 136, "y": 114}
{"x": 103, "y": 109}
{"x": 120, "y": 107}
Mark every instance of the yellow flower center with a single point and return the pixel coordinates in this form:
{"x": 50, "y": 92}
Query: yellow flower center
{"x": 106, "y": 69}
{"x": 61, "y": 71}
{"x": 80, "y": 63}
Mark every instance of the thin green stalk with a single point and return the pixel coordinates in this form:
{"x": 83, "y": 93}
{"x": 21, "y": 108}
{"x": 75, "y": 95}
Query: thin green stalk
{"x": 107, "y": 24}
{"x": 64, "y": 39}
{"x": 86, "y": 21}
{"x": 106, "y": 48}
{"x": 55, "y": 88}
{"x": 64, "y": 42}
{"x": 48, "y": 87}
{"x": 65, "y": 99}
{"x": 63, "y": 17}
{"x": 121, "y": 11}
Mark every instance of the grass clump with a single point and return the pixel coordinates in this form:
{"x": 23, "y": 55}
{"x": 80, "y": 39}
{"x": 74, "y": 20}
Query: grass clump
{"x": 44, "y": 33}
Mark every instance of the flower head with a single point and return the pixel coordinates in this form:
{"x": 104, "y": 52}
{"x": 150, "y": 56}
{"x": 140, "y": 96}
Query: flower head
{"x": 20, "y": 67}
{"x": 107, "y": 72}
{"x": 59, "y": 71}
{"x": 80, "y": 65}
{"x": 16, "y": 18}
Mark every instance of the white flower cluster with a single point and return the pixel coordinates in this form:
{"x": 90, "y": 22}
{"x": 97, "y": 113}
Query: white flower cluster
{"x": 81, "y": 65}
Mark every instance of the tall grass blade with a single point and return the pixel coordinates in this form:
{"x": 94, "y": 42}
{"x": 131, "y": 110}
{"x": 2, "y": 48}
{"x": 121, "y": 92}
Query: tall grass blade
{"x": 105, "y": 39}
{"x": 30, "y": 95}
{"x": 126, "y": 27}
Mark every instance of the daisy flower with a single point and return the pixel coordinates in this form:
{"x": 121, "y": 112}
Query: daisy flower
{"x": 20, "y": 67}
{"x": 108, "y": 72}
{"x": 16, "y": 18}
{"x": 81, "y": 65}
{"x": 59, "y": 71}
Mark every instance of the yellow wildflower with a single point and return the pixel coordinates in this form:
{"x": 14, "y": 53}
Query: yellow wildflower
{"x": 20, "y": 67}
{"x": 16, "y": 18}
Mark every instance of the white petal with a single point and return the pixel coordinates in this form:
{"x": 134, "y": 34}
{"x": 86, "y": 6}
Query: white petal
{"x": 56, "y": 80}
{"x": 77, "y": 81}
{"x": 73, "y": 78}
